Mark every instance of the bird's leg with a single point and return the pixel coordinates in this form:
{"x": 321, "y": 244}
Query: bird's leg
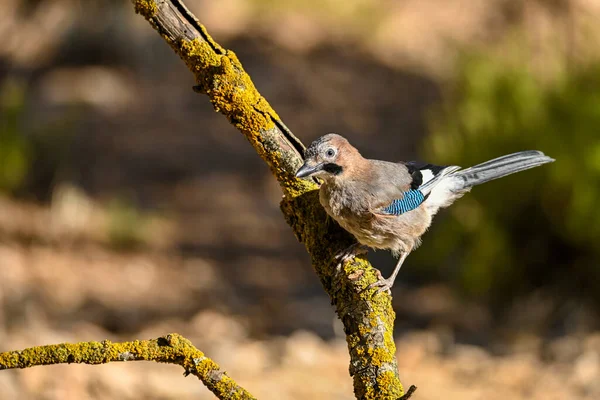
{"x": 349, "y": 253}
{"x": 386, "y": 284}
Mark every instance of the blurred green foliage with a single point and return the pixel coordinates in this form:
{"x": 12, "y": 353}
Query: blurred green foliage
{"x": 538, "y": 228}
{"x": 15, "y": 152}
{"x": 126, "y": 224}
{"x": 34, "y": 153}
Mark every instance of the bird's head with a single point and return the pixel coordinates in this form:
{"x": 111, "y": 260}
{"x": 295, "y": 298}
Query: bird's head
{"x": 327, "y": 157}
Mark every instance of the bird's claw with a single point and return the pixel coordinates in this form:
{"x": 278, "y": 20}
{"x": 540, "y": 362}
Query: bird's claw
{"x": 342, "y": 258}
{"x": 349, "y": 254}
{"x": 384, "y": 285}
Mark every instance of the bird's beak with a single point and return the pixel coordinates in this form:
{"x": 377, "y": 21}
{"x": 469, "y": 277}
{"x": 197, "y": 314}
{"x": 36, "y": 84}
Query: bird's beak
{"x": 307, "y": 170}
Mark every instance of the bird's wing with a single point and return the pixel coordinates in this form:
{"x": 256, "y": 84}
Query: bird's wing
{"x": 432, "y": 175}
{"x": 424, "y": 178}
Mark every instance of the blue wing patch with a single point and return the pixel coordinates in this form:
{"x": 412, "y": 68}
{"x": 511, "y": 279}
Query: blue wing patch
{"x": 411, "y": 200}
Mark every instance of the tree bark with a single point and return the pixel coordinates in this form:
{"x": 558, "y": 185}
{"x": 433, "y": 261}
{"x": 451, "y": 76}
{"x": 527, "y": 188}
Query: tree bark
{"x": 368, "y": 318}
{"x": 172, "y": 349}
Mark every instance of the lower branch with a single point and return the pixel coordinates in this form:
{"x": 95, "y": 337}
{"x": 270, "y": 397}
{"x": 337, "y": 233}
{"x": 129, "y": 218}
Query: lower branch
{"x": 368, "y": 318}
{"x": 171, "y": 349}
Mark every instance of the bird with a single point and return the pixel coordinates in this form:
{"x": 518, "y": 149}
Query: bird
{"x": 390, "y": 205}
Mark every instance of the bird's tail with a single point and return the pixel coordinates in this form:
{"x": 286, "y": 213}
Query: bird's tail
{"x": 500, "y": 167}
{"x": 455, "y": 182}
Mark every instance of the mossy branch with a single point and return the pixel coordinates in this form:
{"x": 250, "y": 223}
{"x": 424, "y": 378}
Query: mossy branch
{"x": 368, "y": 318}
{"x": 171, "y": 349}
{"x": 220, "y": 75}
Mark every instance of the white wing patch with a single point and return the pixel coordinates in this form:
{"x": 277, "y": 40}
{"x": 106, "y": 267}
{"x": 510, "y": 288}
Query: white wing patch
{"x": 435, "y": 179}
{"x": 439, "y": 185}
{"x": 444, "y": 190}
{"x": 427, "y": 175}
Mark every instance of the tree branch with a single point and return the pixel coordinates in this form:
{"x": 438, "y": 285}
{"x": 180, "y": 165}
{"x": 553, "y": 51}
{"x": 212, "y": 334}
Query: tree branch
{"x": 220, "y": 75}
{"x": 171, "y": 349}
{"x": 368, "y": 318}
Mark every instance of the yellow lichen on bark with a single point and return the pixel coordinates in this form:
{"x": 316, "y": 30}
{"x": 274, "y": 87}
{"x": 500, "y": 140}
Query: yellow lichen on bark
{"x": 368, "y": 318}
{"x": 172, "y": 348}
{"x": 221, "y": 76}
{"x": 146, "y": 8}
{"x": 232, "y": 92}
{"x": 292, "y": 186}
{"x": 228, "y": 86}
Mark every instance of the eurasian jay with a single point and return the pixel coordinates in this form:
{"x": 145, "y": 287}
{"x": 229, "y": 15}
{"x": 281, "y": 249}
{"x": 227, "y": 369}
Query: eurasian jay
{"x": 388, "y": 205}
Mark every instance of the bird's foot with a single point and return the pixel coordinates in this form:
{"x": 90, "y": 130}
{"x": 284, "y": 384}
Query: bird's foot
{"x": 384, "y": 285}
{"x": 349, "y": 254}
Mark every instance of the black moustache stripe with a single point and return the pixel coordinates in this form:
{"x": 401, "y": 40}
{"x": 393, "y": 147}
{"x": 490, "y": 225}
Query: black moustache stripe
{"x": 333, "y": 168}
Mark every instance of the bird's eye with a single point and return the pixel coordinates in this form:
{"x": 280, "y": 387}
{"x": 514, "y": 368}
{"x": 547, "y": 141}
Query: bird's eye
{"x": 330, "y": 153}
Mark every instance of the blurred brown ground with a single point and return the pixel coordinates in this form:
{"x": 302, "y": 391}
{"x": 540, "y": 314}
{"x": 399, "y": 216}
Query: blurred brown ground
{"x": 215, "y": 261}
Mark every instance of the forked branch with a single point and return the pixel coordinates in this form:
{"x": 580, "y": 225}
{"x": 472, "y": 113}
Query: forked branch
{"x": 368, "y": 319}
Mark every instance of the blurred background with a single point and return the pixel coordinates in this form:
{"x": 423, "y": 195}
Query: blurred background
{"x": 130, "y": 209}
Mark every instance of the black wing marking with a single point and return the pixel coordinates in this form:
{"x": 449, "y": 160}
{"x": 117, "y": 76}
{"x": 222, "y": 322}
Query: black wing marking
{"x": 425, "y": 172}
{"x": 417, "y": 176}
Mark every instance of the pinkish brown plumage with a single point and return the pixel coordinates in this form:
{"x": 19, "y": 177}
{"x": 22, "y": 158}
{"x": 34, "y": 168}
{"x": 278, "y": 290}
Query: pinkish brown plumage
{"x": 374, "y": 200}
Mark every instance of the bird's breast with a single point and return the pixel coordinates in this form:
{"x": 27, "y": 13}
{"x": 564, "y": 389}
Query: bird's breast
{"x": 353, "y": 212}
